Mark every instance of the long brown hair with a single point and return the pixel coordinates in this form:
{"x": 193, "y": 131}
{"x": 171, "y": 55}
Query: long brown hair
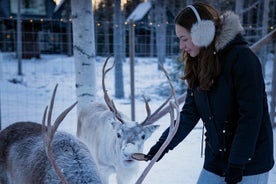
{"x": 202, "y": 70}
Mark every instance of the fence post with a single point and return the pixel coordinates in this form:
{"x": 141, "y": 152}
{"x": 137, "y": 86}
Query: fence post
{"x": 19, "y": 37}
{"x": 1, "y": 60}
{"x": 273, "y": 94}
{"x": 0, "y": 112}
{"x": 131, "y": 60}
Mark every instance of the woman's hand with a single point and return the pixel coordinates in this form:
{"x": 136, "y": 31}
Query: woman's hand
{"x": 234, "y": 173}
{"x": 154, "y": 149}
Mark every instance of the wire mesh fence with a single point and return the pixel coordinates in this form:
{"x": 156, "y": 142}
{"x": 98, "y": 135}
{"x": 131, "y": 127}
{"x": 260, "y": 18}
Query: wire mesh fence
{"x": 46, "y": 41}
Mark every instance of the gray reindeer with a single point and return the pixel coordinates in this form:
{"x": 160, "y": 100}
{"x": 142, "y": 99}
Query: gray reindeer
{"x": 32, "y": 153}
{"x": 112, "y": 138}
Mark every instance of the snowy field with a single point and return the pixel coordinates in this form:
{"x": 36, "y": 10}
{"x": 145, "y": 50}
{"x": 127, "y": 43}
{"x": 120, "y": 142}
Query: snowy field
{"x": 25, "y": 101}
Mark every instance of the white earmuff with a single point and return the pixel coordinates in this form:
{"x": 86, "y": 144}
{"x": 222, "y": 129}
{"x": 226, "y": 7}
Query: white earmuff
{"x": 203, "y": 31}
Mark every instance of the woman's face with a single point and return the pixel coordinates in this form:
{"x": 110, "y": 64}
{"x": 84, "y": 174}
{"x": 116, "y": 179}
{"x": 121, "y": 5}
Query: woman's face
{"x": 185, "y": 41}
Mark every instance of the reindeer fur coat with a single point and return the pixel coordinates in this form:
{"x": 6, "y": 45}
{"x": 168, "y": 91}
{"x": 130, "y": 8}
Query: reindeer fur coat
{"x": 23, "y": 158}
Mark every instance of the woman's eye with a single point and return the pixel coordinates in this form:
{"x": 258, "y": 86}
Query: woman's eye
{"x": 184, "y": 40}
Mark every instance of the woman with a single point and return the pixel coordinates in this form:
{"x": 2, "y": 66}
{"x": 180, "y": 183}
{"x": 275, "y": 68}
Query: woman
{"x": 226, "y": 91}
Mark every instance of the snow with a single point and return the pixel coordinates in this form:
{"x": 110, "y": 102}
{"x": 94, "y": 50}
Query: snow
{"x": 26, "y": 101}
{"x": 139, "y": 12}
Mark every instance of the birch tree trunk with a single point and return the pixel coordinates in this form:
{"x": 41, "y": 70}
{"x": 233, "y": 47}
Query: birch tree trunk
{"x": 84, "y": 50}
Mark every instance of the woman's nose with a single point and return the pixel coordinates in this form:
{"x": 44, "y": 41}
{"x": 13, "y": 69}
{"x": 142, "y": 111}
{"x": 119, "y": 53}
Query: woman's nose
{"x": 182, "y": 46}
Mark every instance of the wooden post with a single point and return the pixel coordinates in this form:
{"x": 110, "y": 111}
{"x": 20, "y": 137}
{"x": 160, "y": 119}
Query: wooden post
{"x": 1, "y": 60}
{"x": 0, "y": 112}
{"x": 269, "y": 37}
{"x": 273, "y": 94}
{"x": 69, "y": 31}
{"x": 131, "y": 60}
{"x": 19, "y": 37}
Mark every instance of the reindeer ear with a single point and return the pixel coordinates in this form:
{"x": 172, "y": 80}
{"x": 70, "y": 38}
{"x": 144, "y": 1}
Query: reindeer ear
{"x": 149, "y": 129}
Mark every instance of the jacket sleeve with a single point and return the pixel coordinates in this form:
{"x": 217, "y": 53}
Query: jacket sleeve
{"x": 249, "y": 91}
{"x": 188, "y": 119}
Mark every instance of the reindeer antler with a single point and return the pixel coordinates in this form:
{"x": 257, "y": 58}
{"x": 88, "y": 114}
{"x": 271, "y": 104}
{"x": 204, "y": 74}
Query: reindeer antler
{"x": 174, "y": 123}
{"x": 108, "y": 101}
{"x": 49, "y": 132}
{"x": 151, "y": 118}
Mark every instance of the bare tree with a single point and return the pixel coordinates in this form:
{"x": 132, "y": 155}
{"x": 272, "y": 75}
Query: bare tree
{"x": 84, "y": 50}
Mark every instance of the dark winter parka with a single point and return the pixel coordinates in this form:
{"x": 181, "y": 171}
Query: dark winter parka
{"x": 234, "y": 112}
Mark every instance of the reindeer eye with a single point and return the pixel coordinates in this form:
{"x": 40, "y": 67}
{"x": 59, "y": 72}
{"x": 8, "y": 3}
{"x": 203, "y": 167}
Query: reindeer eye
{"x": 143, "y": 137}
{"x": 118, "y": 135}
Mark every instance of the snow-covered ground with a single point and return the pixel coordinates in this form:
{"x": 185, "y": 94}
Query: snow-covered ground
{"x": 26, "y": 101}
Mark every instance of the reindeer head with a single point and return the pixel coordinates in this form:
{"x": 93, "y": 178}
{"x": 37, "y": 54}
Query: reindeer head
{"x": 131, "y": 135}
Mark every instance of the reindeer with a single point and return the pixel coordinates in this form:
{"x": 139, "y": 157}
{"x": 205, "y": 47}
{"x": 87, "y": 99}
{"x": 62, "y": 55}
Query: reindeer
{"x": 112, "y": 138}
{"x": 31, "y": 153}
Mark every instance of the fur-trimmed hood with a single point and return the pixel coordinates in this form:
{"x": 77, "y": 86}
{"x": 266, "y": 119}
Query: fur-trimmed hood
{"x": 230, "y": 27}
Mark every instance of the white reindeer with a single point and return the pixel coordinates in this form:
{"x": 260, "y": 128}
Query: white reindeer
{"x": 31, "y": 153}
{"x": 112, "y": 138}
